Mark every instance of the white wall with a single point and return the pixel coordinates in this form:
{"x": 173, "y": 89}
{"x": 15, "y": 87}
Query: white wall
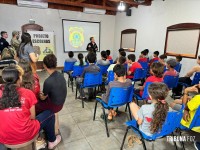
{"x": 151, "y": 24}
{"x": 13, "y": 17}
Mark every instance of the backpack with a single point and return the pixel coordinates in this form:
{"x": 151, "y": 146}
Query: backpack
{"x": 8, "y": 53}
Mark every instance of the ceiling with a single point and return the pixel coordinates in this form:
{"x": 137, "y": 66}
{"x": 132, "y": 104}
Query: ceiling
{"x": 77, "y": 5}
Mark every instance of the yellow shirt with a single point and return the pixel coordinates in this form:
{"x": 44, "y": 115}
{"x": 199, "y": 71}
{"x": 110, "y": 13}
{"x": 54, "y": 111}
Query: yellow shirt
{"x": 193, "y": 105}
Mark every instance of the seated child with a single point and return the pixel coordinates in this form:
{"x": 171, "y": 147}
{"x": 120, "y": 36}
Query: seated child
{"x": 92, "y": 68}
{"x": 121, "y": 60}
{"x": 162, "y": 59}
{"x": 30, "y": 80}
{"x": 108, "y": 55}
{"x": 80, "y": 62}
{"x": 179, "y": 58}
{"x": 150, "y": 118}
{"x": 133, "y": 66}
{"x": 171, "y": 63}
{"x": 71, "y": 55}
{"x": 155, "y": 59}
{"x": 143, "y": 57}
{"x": 120, "y": 50}
{"x": 103, "y": 61}
{"x": 156, "y": 69}
{"x": 120, "y": 81}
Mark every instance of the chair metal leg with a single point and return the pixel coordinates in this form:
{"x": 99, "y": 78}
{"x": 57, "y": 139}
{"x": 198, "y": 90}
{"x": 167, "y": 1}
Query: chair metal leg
{"x": 72, "y": 83}
{"x": 82, "y": 103}
{"x": 143, "y": 143}
{"x": 124, "y": 138}
{"x": 129, "y": 110}
{"x": 126, "y": 107}
{"x": 105, "y": 120}
{"x": 68, "y": 80}
{"x": 174, "y": 142}
{"x": 116, "y": 109}
{"x": 76, "y": 92}
{"x": 95, "y": 109}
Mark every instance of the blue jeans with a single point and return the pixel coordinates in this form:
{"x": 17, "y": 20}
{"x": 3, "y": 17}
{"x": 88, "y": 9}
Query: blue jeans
{"x": 47, "y": 122}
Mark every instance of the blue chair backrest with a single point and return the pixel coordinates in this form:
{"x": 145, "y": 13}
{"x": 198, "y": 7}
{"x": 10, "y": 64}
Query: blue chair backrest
{"x": 196, "y": 120}
{"x": 92, "y": 79}
{"x": 196, "y": 78}
{"x": 145, "y": 94}
{"x": 111, "y": 61}
{"x": 110, "y": 76}
{"x": 178, "y": 67}
{"x": 77, "y": 71}
{"x": 120, "y": 96}
{"x": 172, "y": 122}
{"x": 126, "y": 66}
{"x": 144, "y": 65}
{"x": 68, "y": 66}
{"x": 171, "y": 81}
{"x": 139, "y": 74}
{"x": 103, "y": 69}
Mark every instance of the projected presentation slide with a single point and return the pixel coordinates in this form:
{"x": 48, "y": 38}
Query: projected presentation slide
{"x": 76, "y": 34}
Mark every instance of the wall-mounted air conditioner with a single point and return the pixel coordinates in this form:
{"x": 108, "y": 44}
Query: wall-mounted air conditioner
{"x": 94, "y": 11}
{"x": 29, "y": 3}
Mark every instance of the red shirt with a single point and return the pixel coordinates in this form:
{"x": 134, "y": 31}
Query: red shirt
{"x": 134, "y": 66}
{"x": 36, "y": 89}
{"x": 143, "y": 59}
{"x": 154, "y": 59}
{"x": 151, "y": 79}
{"x": 16, "y": 127}
{"x": 109, "y": 57}
{"x": 170, "y": 73}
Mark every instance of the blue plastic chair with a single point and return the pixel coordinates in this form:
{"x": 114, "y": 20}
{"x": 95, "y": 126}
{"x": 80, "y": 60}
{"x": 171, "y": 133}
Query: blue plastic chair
{"x": 144, "y": 65}
{"x": 110, "y": 77}
{"x": 119, "y": 96}
{"x": 178, "y": 67}
{"x": 171, "y": 123}
{"x": 68, "y": 66}
{"x": 195, "y": 80}
{"x": 111, "y": 61}
{"x": 139, "y": 74}
{"x": 145, "y": 94}
{"x": 103, "y": 69}
{"x": 77, "y": 72}
{"x": 91, "y": 80}
{"x": 171, "y": 81}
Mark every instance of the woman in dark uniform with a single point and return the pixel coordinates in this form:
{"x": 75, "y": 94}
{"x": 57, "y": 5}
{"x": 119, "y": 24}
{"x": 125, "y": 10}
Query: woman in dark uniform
{"x": 92, "y": 46}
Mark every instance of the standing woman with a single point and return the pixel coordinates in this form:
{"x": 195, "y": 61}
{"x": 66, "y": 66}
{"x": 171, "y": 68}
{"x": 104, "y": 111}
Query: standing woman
{"x": 27, "y": 52}
{"x": 92, "y": 46}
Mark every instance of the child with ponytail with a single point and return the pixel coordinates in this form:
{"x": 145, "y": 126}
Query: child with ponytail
{"x": 150, "y": 118}
{"x": 80, "y": 62}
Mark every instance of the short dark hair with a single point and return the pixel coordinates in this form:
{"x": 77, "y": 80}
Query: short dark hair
{"x": 157, "y": 69}
{"x": 91, "y": 57}
{"x": 3, "y": 32}
{"x": 91, "y": 38}
{"x": 120, "y": 50}
{"x": 119, "y": 70}
{"x": 50, "y": 61}
{"x": 103, "y": 54}
{"x": 163, "y": 56}
{"x": 122, "y": 60}
{"x": 123, "y": 53}
{"x": 131, "y": 57}
{"x": 71, "y": 54}
{"x": 144, "y": 52}
{"x": 108, "y": 52}
{"x": 179, "y": 58}
{"x": 156, "y": 53}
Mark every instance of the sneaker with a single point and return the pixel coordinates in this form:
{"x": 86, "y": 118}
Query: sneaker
{"x": 197, "y": 145}
{"x": 52, "y": 145}
{"x": 40, "y": 144}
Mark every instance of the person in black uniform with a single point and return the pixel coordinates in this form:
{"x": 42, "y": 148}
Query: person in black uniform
{"x": 92, "y": 46}
{"x": 3, "y": 42}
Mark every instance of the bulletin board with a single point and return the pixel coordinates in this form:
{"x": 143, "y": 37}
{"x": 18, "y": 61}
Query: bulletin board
{"x": 128, "y": 39}
{"x": 183, "y": 39}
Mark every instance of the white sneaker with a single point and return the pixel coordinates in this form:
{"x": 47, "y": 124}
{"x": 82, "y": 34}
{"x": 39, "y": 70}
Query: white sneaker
{"x": 52, "y": 145}
{"x": 40, "y": 144}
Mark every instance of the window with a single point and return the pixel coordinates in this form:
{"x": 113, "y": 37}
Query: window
{"x": 128, "y": 39}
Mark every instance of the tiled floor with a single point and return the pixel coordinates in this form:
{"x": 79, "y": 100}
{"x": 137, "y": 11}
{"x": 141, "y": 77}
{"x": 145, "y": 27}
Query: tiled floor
{"x": 80, "y": 132}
